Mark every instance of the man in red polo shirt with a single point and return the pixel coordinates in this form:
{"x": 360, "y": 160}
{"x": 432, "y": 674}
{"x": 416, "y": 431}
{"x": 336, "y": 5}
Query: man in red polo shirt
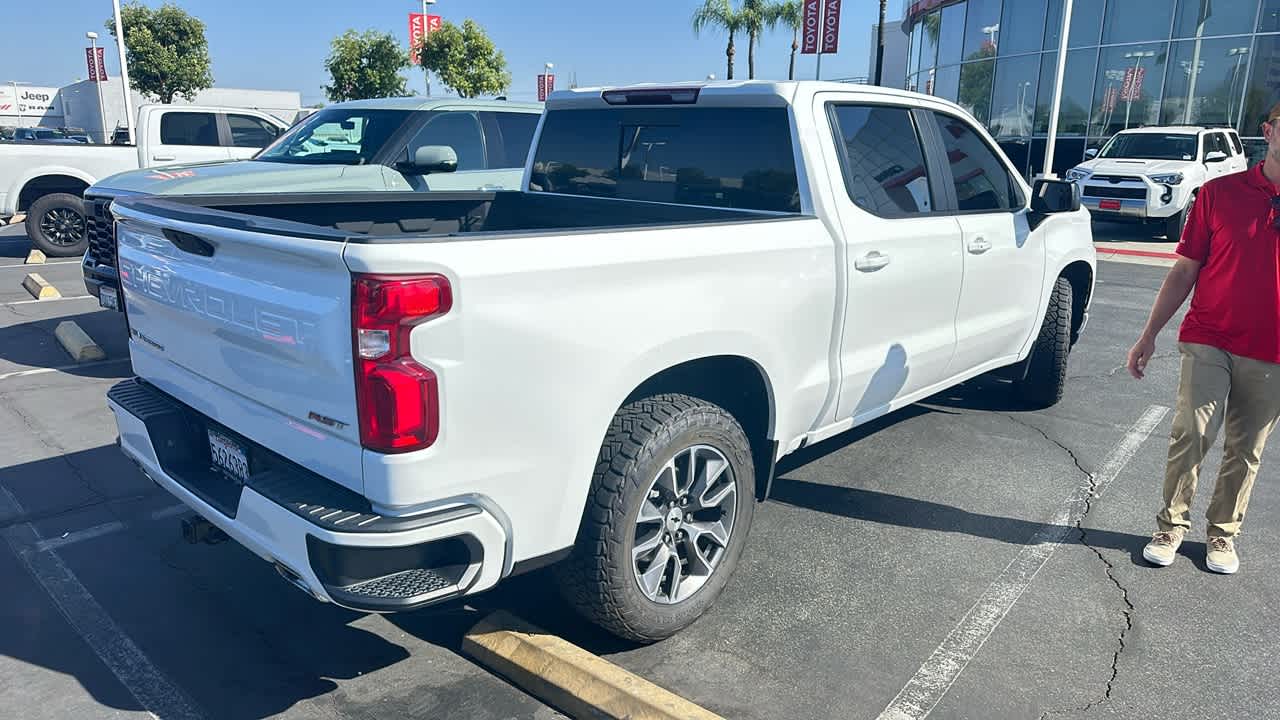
{"x": 1230, "y": 343}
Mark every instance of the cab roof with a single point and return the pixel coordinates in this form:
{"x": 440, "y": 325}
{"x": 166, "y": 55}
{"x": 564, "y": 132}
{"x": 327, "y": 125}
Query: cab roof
{"x": 1176, "y": 129}
{"x": 736, "y": 93}
{"x": 427, "y": 104}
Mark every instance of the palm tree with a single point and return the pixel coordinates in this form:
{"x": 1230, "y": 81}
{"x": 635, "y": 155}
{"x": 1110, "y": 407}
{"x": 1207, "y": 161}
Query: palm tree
{"x": 789, "y": 15}
{"x": 755, "y": 15}
{"x": 719, "y": 14}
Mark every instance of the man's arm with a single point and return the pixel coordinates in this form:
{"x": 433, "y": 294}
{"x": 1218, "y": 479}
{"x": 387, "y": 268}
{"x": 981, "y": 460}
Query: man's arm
{"x": 1177, "y": 286}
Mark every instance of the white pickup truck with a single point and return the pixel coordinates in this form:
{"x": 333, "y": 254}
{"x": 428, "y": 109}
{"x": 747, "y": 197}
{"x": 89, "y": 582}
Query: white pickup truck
{"x": 47, "y": 180}
{"x": 399, "y": 399}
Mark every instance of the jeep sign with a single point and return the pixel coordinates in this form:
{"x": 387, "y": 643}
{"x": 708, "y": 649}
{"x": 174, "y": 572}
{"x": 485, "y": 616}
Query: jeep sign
{"x": 30, "y": 100}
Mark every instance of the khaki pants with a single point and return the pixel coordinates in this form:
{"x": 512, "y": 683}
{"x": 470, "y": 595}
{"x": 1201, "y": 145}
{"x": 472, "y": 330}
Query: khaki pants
{"x": 1218, "y": 386}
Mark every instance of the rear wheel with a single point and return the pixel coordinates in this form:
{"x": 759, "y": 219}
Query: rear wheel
{"x": 56, "y": 225}
{"x": 668, "y": 515}
{"x": 1046, "y": 376}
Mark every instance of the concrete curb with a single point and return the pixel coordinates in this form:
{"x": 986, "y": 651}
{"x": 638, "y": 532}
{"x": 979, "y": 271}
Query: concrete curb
{"x": 77, "y": 342}
{"x": 40, "y": 288}
{"x": 35, "y": 257}
{"x": 569, "y": 678}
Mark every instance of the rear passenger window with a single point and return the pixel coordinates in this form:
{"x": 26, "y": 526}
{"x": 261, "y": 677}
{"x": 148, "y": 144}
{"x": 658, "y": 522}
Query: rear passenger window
{"x": 458, "y": 130}
{"x": 189, "y": 128}
{"x": 981, "y": 180}
{"x": 883, "y": 164}
{"x": 515, "y": 131}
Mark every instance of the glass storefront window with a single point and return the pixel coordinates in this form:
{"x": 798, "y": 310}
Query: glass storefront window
{"x": 1130, "y": 21}
{"x": 1216, "y": 92}
{"x": 1264, "y": 85}
{"x": 1086, "y": 23}
{"x": 1013, "y": 98}
{"x": 931, "y": 32}
{"x": 1224, "y": 18}
{"x": 982, "y": 29}
{"x": 1269, "y": 18}
{"x": 951, "y": 35}
{"x": 1077, "y": 91}
{"x": 946, "y": 83}
{"x": 975, "y": 88}
{"x": 913, "y": 52}
{"x": 1126, "y": 90}
{"x": 1022, "y": 26}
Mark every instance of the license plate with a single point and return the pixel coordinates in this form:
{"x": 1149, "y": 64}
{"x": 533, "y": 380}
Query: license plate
{"x": 228, "y": 456}
{"x": 1109, "y": 205}
{"x": 107, "y": 298}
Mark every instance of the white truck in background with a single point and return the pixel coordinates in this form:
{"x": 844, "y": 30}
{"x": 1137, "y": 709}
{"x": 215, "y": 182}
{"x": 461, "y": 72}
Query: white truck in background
{"x": 46, "y": 181}
{"x": 400, "y": 398}
{"x": 1151, "y": 175}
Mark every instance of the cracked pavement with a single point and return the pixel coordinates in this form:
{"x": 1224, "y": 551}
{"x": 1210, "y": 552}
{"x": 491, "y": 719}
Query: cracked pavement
{"x": 876, "y": 544}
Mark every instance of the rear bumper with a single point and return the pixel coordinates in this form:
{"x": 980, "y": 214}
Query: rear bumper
{"x": 319, "y": 536}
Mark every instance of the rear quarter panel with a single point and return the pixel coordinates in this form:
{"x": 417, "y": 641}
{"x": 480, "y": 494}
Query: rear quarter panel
{"x": 550, "y": 333}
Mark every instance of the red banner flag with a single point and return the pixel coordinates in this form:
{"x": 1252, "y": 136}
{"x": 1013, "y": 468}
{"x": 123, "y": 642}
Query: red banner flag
{"x": 830, "y": 26}
{"x": 811, "y": 27}
{"x": 1132, "y": 88}
{"x": 542, "y": 88}
{"x": 418, "y": 30}
{"x": 93, "y": 65}
{"x": 102, "y": 65}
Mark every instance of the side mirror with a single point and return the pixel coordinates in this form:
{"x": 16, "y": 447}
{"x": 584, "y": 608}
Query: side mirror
{"x": 1091, "y": 153}
{"x": 1216, "y": 156}
{"x": 429, "y": 159}
{"x": 1049, "y": 197}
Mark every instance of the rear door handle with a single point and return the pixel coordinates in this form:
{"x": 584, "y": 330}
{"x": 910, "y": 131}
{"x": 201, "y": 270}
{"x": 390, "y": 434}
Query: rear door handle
{"x": 979, "y": 245}
{"x": 164, "y": 158}
{"x": 872, "y": 261}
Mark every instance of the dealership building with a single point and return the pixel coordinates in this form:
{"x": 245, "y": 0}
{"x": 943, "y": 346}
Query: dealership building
{"x": 1129, "y": 64}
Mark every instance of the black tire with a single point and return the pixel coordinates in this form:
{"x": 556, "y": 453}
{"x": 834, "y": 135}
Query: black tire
{"x": 1174, "y": 224}
{"x": 599, "y": 578}
{"x": 53, "y": 221}
{"x": 1046, "y": 376}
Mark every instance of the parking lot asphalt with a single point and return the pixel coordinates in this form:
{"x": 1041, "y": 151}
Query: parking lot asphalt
{"x": 927, "y": 562}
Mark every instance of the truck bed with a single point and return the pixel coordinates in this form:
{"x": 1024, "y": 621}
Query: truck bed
{"x": 374, "y": 217}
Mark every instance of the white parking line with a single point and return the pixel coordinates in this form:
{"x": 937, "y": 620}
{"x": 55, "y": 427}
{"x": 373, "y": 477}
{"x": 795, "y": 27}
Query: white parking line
{"x": 48, "y": 300}
{"x": 61, "y": 368}
{"x": 170, "y": 511}
{"x": 934, "y": 678}
{"x": 72, "y": 538}
{"x": 155, "y": 692}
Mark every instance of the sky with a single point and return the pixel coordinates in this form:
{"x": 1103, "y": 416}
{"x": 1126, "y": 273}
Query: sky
{"x": 282, "y": 44}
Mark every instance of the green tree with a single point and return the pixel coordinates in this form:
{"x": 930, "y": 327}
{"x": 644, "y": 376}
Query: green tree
{"x": 465, "y": 60}
{"x": 720, "y": 14}
{"x": 166, "y": 49}
{"x": 976, "y": 79}
{"x": 755, "y": 16}
{"x": 789, "y": 15}
{"x": 365, "y": 65}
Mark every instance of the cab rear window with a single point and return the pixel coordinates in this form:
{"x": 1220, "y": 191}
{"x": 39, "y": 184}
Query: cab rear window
{"x": 719, "y": 157}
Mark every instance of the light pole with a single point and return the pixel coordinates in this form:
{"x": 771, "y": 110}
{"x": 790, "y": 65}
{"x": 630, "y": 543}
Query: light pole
{"x": 425, "y": 73}
{"x": 1133, "y": 83}
{"x": 124, "y": 72}
{"x": 992, "y": 31}
{"x": 97, "y": 86}
{"x": 1239, "y": 54}
{"x": 1055, "y": 108}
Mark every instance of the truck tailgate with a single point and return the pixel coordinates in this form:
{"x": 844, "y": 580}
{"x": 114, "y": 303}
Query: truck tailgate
{"x": 253, "y": 329}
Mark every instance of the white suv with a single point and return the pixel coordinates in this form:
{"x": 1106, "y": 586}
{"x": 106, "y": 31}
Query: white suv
{"x": 1152, "y": 174}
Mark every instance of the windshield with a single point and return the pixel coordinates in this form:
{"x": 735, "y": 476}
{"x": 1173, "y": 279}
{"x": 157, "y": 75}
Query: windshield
{"x": 338, "y": 136}
{"x": 1151, "y": 146}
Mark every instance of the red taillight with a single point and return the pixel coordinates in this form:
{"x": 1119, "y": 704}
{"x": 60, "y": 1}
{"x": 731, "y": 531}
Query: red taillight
{"x": 398, "y": 400}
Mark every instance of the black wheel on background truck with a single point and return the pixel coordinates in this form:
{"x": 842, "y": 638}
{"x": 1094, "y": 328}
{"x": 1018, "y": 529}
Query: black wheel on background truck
{"x": 666, "y": 519}
{"x": 56, "y": 225}
{"x": 1046, "y": 376}
{"x": 1174, "y": 223}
